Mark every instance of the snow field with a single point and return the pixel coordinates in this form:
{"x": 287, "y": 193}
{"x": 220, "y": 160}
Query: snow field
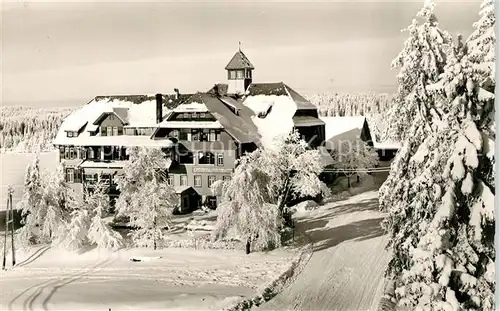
{"x": 53, "y": 279}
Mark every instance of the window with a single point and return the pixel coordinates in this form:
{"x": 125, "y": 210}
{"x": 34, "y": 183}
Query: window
{"x": 70, "y": 175}
{"x": 83, "y": 153}
{"x": 109, "y": 131}
{"x": 170, "y": 180}
{"x": 61, "y": 152}
{"x": 197, "y": 180}
{"x": 91, "y": 153}
{"x": 66, "y": 152}
{"x": 248, "y": 74}
{"x": 226, "y": 177}
{"x": 220, "y": 159}
{"x": 111, "y": 116}
{"x": 120, "y": 130}
{"x": 183, "y": 134}
{"x": 103, "y": 131}
{"x": 239, "y": 74}
{"x": 90, "y": 178}
{"x": 232, "y": 74}
{"x": 186, "y": 115}
{"x": 195, "y": 115}
{"x": 195, "y": 135}
{"x": 211, "y": 180}
{"x": 71, "y": 152}
{"x": 206, "y": 158}
{"x": 78, "y": 176}
{"x": 69, "y": 134}
{"x": 214, "y": 135}
{"x": 115, "y": 130}
{"x": 202, "y": 115}
{"x": 204, "y": 135}
{"x": 184, "y": 180}
{"x": 116, "y": 153}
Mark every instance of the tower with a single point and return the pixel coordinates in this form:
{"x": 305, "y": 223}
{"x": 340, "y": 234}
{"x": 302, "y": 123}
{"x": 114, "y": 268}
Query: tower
{"x": 239, "y": 73}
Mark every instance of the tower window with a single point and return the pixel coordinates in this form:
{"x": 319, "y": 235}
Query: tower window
{"x": 239, "y": 74}
{"x": 248, "y": 74}
{"x": 232, "y": 74}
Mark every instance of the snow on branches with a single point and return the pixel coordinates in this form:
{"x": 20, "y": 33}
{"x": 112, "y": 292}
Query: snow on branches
{"x": 263, "y": 181}
{"x": 146, "y": 199}
{"x": 440, "y": 191}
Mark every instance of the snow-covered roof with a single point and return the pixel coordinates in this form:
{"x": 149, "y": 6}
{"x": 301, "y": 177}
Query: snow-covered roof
{"x": 138, "y": 111}
{"x": 335, "y": 126}
{"x": 191, "y": 107}
{"x": 101, "y": 164}
{"x": 279, "y": 120}
{"x": 181, "y": 189}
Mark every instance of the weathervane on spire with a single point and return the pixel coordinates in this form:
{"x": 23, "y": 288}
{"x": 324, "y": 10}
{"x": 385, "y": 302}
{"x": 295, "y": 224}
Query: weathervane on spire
{"x": 239, "y": 46}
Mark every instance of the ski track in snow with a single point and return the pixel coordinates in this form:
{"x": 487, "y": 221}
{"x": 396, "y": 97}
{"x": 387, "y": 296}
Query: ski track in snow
{"x": 346, "y": 269}
{"x": 183, "y": 279}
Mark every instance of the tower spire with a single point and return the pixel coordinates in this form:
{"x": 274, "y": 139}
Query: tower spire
{"x": 239, "y": 46}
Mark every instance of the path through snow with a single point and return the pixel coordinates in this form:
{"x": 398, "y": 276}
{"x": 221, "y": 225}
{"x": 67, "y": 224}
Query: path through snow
{"x": 346, "y": 269}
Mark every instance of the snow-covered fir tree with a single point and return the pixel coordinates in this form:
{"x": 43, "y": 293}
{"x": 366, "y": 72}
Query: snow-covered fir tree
{"x": 245, "y": 206}
{"x": 87, "y": 225}
{"x": 441, "y": 214}
{"x": 352, "y": 158}
{"x": 145, "y": 197}
{"x": 452, "y": 265}
{"x": 100, "y": 232}
{"x": 31, "y": 204}
{"x": 421, "y": 62}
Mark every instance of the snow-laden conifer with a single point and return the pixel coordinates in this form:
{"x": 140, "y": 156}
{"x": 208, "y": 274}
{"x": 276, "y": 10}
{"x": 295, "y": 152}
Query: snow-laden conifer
{"x": 450, "y": 266}
{"x": 145, "y": 197}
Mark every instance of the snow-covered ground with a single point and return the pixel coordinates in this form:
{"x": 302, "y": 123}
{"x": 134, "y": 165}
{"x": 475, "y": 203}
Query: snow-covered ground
{"x": 346, "y": 269}
{"x": 182, "y": 279}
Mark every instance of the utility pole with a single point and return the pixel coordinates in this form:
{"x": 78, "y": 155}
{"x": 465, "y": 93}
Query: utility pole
{"x": 9, "y": 219}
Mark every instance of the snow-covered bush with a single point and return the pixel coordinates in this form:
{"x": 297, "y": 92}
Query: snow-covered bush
{"x": 145, "y": 197}
{"x": 353, "y": 157}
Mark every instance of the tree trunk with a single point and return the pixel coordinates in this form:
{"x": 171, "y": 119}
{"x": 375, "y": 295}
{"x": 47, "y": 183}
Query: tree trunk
{"x": 348, "y": 182}
{"x": 154, "y": 237}
{"x": 357, "y": 177}
{"x": 247, "y": 248}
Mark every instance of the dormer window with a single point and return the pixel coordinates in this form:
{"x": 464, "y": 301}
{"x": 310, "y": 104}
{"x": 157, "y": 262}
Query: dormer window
{"x": 111, "y": 116}
{"x": 71, "y": 134}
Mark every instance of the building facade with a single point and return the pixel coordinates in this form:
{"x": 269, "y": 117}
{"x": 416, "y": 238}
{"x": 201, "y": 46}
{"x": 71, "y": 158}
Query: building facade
{"x": 202, "y": 133}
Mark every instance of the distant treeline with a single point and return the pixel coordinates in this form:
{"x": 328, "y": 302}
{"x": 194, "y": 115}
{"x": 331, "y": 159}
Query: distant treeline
{"x": 26, "y": 129}
{"x": 371, "y": 105}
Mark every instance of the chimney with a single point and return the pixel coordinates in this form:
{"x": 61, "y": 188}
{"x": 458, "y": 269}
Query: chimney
{"x": 159, "y": 108}
{"x": 216, "y": 90}
{"x": 177, "y": 93}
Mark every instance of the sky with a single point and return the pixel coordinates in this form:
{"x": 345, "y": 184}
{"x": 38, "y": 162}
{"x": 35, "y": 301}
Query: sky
{"x": 63, "y": 53}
